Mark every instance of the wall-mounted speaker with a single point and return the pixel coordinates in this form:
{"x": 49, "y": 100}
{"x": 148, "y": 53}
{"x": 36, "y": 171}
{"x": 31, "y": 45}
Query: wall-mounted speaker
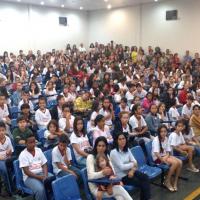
{"x": 171, "y": 15}
{"x": 63, "y": 21}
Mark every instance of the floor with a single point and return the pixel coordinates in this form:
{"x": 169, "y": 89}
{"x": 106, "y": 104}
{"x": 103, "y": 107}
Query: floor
{"x": 159, "y": 193}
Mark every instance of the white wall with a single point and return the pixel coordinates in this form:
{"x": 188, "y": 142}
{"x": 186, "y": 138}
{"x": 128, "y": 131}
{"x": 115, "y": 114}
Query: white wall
{"x": 121, "y": 25}
{"x": 33, "y": 27}
{"x": 177, "y": 35}
{"x": 146, "y": 25}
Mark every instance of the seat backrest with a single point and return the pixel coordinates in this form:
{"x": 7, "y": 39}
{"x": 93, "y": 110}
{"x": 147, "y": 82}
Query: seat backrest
{"x": 13, "y": 123}
{"x": 48, "y": 155}
{"x": 18, "y": 175}
{"x": 85, "y": 183}
{"x": 14, "y": 112}
{"x": 66, "y": 188}
{"x": 74, "y": 162}
{"x": 138, "y": 155}
{"x": 90, "y": 137}
{"x": 149, "y": 153}
{"x": 40, "y": 135}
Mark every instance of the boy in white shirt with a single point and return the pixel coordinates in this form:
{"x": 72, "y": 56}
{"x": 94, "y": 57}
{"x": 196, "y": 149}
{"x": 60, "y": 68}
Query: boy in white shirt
{"x": 67, "y": 121}
{"x": 25, "y": 99}
{"x": 42, "y": 115}
{"x": 61, "y": 158}
{"x": 4, "y": 114}
{"x": 187, "y": 108}
{"x": 32, "y": 161}
{"x": 6, "y": 150}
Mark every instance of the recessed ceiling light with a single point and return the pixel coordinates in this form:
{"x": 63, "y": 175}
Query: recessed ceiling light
{"x": 19, "y": 0}
{"x": 62, "y": 5}
{"x": 81, "y": 8}
{"x": 106, "y": 0}
{"x": 42, "y": 2}
{"x": 109, "y": 6}
{"x": 155, "y": 0}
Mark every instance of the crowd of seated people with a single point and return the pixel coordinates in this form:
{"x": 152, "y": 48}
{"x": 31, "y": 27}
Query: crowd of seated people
{"x": 99, "y": 103}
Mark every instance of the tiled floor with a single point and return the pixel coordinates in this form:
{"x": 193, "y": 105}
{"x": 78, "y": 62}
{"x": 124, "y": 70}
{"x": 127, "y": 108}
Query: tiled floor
{"x": 159, "y": 193}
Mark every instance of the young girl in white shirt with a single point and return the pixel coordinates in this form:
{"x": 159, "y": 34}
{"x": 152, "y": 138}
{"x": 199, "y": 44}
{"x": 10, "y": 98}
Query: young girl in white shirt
{"x": 42, "y": 115}
{"x": 161, "y": 154}
{"x": 80, "y": 142}
{"x": 178, "y": 145}
{"x": 50, "y": 91}
{"x": 107, "y": 112}
{"x": 52, "y": 133}
{"x": 190, "y": 138}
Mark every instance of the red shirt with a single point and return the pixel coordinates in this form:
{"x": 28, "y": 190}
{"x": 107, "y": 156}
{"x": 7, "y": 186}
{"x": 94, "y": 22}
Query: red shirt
{"x": 182, "y": 96}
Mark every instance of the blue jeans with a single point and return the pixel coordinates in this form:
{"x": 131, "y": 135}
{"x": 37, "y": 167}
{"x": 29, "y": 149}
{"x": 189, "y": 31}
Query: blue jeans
{"x": 82, "y": 162}
{"x": 37, "y": 187}
{"x": 197, "y": 150}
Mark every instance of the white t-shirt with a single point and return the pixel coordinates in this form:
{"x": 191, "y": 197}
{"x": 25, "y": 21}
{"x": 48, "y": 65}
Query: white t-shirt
{"x": 123, "y": 87}
{"x": 105, "y": 113}
{"x": 190, "y": 135}
{"x": 7, "y": 145}
{"x": 141, "y": 94}
{"x": 106, "y": 133}
{"x": 187, "y": 111}
{"x": 134, "y": 122}
{"x": 52, "y": 94}
{"x": 173, "y": 114}
{"x": 91, "y": 127}
{"x": 156, "y": 147}
{"x": 42, "y": 118}
{"x": 175, "y": 139}
{"x": 58, "y": 158}
{"x": 4, "y": 112}
{"x": 62, "y": 123}
{"x": 129, "y": 96}
{"x": 117, "y": 98}
{"x": 35, "y": 163}
{"x": 82, "y": 142}
{"x": 29, "y": 103}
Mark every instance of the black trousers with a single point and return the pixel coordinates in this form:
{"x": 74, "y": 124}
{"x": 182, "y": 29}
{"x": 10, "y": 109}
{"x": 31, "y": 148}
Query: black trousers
{"x": 141, "y": 181}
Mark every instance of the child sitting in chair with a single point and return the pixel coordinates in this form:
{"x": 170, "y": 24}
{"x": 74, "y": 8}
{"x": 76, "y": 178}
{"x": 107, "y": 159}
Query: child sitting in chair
{"x": 102, "y": 162}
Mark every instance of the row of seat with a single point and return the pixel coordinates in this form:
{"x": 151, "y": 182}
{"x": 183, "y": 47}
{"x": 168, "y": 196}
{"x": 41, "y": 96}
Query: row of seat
{"x": 152, "y": 171}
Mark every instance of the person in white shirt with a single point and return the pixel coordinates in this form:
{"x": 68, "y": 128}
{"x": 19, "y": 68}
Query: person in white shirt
{"x": 161, "y": 154}
{"x": 50, "y": 91}
{"x": 187, "y": 108}
{"x": 80, "y": 142}
{"x": 6, "y": 150}
{"x": 101, "y": 129}
{"x": 130, "y": 94}
{"x": 95, "y": 111}
{"x": 138, "y": 124}
{"x": 4, "y": 113}
{"x": 125, "y": 167}
{"x": 67, "y": 120}
{"x": 82, "y": 48}
{"x": 25, "y": 99}
{"x": 177, "y": 143}
{"x": 32, "y": 161}
{"x": 42, "y": 115}
{"x": 173, "y": 112}
{"x": 101, "y": 147}
{"x": 140, "y": 92}
{"x": 107, "y": 112}
{"x": 61, "y": 158}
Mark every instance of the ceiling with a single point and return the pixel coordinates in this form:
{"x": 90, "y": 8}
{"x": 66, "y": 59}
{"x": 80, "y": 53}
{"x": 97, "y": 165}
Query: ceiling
{"x": 84, "y": 4}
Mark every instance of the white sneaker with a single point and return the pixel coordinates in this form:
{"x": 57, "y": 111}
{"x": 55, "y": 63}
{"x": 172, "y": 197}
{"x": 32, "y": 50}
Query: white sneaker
{"x": 193, "y": 169}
